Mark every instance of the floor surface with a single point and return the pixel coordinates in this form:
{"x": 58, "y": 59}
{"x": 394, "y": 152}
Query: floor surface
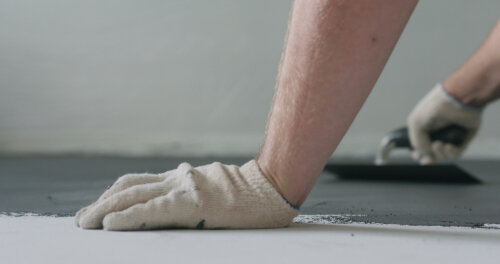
{"x": 62, "y": 185}
{"x": 39, "y": 239}
{"x": 339, "y": 223}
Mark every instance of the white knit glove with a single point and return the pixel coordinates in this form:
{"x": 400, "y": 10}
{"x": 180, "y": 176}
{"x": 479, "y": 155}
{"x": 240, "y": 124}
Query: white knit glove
{"x": 437, "y": 110}
{"x": 210, "y": 196}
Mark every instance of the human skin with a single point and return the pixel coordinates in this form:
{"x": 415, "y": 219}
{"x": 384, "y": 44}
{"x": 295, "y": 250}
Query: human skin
{"x": 333, "y": 55}
{"x": 477, "y": 81}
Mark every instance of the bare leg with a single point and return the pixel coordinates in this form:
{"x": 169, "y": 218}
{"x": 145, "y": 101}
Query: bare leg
{"x": 477, "y": 82}
{"x": 333, "y": 56}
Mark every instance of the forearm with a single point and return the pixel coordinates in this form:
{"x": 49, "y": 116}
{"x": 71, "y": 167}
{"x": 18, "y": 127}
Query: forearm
{"x": 335, "y": 52}
{"x": 477, "y": 82}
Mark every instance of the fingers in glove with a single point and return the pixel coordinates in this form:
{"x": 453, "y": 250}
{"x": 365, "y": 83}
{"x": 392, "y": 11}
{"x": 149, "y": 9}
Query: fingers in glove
{"x": 438, "y": 149}
{"x": 123, "y": 183}
{"x": 420, "y": 142}
{"x": 426, "y": 160}
{"x": 415, "y": 155}
{"x": 422, "y": 158}
{"x": 92, "y": 218}
{"x": 128, "y": 180}
{"x": 173, "y": 210}
{"x": 79, "y": 214}
{"x": 452, "y": 151}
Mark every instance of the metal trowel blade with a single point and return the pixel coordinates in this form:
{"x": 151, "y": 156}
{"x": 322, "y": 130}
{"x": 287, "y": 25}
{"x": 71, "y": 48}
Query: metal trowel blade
{"x": 403, "y": 173}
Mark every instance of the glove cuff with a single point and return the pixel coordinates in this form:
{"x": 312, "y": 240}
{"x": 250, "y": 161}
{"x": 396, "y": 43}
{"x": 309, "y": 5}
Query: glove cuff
{"x": 251, "y": 168}
{"x": 455, "y": 100}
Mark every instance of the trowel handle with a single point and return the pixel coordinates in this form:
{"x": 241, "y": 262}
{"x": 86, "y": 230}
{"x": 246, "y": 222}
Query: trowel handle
{"x": 452, "y": 134}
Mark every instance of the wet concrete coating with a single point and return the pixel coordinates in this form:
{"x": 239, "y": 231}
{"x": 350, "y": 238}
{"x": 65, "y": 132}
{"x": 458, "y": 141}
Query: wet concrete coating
{"x": 62, "y": 185}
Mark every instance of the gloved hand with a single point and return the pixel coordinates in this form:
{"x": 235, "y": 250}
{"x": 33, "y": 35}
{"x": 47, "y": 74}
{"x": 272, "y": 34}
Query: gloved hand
{"x": 210, "y": 196}
{"x": 437, "y": 110}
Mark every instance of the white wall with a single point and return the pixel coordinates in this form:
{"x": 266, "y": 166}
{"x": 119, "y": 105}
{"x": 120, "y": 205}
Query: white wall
{"x": 196, "y": 77}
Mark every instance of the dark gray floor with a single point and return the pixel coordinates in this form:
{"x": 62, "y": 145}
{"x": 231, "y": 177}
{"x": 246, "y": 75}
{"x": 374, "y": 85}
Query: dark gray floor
{"x": 62, "y": 185}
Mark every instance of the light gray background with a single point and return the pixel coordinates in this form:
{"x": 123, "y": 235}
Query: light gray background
{"x": 196, "y": 77}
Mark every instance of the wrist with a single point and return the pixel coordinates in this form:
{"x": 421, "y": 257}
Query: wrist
{"x": 284, "y": 187}
{"x": 468, "y": 94}
{"x": 460, "y": 99}
{"x": 477, "y": 82}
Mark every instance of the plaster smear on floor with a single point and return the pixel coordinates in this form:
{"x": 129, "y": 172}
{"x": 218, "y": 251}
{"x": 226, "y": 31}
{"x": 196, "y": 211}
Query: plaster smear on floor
{"x": 44, "y": 239}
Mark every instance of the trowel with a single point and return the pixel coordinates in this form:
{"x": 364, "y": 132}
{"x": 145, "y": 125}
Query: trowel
{"x": 451, "y": 173}
{"x": 399, "y": 138}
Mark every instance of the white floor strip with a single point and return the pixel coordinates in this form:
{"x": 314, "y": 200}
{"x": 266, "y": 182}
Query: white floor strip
{"x": 43, "y": 239}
